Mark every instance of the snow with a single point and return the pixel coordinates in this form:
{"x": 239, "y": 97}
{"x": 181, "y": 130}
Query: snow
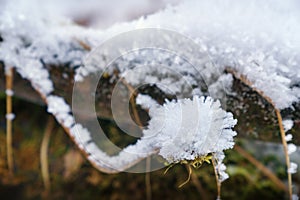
{"x": 10, "y": 116}
{"x": 291, "y": 148}
{"x": 81, "y": 135}
{"x": 287, "y": 124}
{"x": 60, "y": 109}
{"x": 295, "y": 197}
{"x": 57, "y": 105}
{"x": 258, "y": 39}
{"x": 9, "y": 92}
{"x": 145, "y": 101}
{"x": 288, "y": 137}
{"x": 187, "y": 129}
{"x": 221, "y": 87}
{"x": 293, "y": 168}
{"x": 170, "y": 132}
{"x": 111, "y": 164}
{"x": 220, "y": 167}
{"x": 267, "y": 55}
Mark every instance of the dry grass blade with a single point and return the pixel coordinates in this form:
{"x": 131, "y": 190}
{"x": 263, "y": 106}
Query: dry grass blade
{"x": 247, "y": 82}
{"x": 285, "y": 148}
{"x": 44, "y": 155}
{"x": 219, "y": 184}
{"x": 9, "y": 148}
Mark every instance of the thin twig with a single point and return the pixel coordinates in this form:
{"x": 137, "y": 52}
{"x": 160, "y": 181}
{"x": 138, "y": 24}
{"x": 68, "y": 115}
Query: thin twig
{"x": 285, "y": 148}
{"x": 247, "y": 82}
{"x": 219, "y": 184}
{"x": 9, "y": 148}
{"x": 44, "y": 154}
{"x": 268, "y": 173}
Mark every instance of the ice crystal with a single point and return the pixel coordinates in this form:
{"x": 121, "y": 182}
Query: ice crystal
{"x": 293, "y": 168}
{"x": 287, "y": 124}
{"x": 295, "y": 197}
{"x": 81, "y": 134}
{"x": 187, "y": 129}
{"x": 291, "y": 148}
{"x": 288, "y": 137}
{"x": 220, "y": 167}
{"x": 146, "y": 101}
{"x": 9, "y": 92}
{"x": 60, "y": 109}
{"x": 10, "y": 116}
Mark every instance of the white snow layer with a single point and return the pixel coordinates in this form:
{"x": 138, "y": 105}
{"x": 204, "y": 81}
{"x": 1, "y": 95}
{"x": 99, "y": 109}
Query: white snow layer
{"x": 259, "y": 39}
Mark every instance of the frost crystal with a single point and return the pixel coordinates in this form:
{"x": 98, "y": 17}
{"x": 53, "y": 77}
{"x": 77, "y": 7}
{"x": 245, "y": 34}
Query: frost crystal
{"x": 293, "y": 168}
{"x": 61, "y": 110}
{"x": 10, "y": 116}
{"x": 57, "y": 105}
{"x": 9, "y": 92}
{"x": 81, "y": 134}
{"x": 287, "y": 124}
{"x": 186, "y": 129}
{"x": 288, "y": 137}
{"x": 220, "y": 167}
{"x": 295, "y": 197}
{"x": 145, "y": 101}
{"x": 291, "y": 148}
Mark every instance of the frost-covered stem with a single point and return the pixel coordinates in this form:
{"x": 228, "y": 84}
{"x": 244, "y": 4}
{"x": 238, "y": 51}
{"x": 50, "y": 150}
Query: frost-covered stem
{"x": 285, "y": 148}
{"x": 244, "y": 79}
{"x": 219, "y": 184}
{"x": 44, "y": 155}
{"x": 268, "y": 173}
{"x": 9, "y": 148}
